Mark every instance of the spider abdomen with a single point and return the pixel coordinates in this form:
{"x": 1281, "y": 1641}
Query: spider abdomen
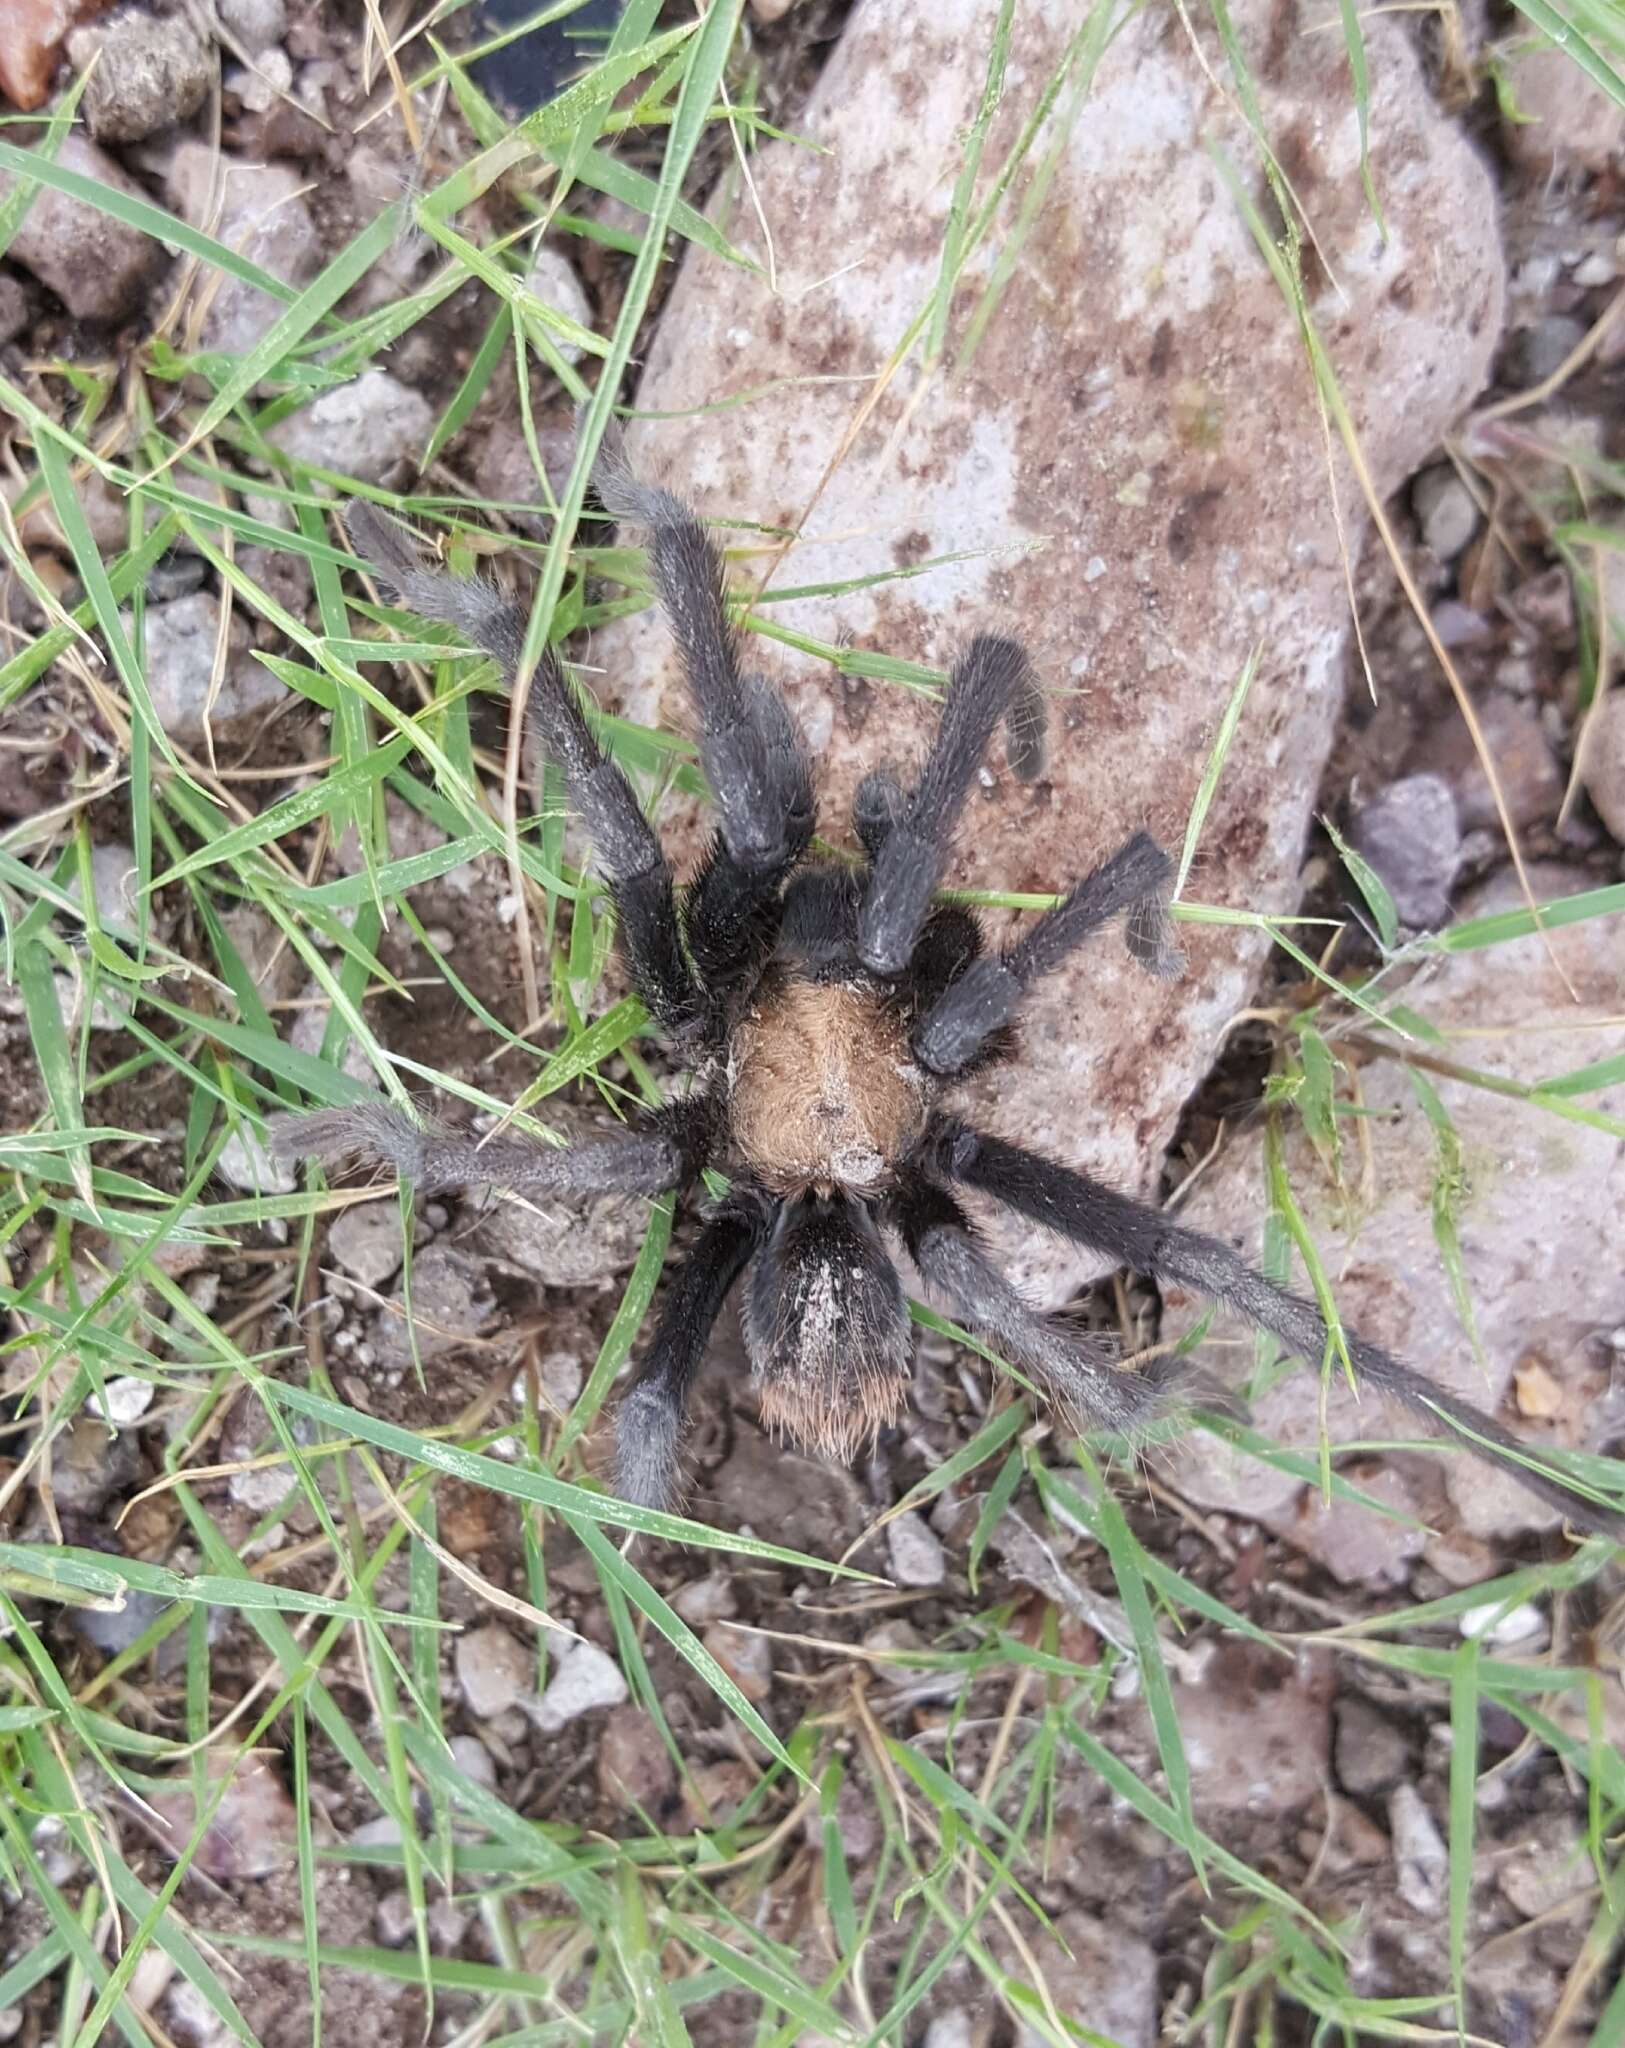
{"x": 823, "y": 1090}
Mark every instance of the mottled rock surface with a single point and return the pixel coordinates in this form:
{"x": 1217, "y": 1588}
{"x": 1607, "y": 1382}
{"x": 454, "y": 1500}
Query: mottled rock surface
{"x": 258, "y": 210}
{"x": 147, "y": 72}
{"x": 96, "y": 265}
{"x": 1131, "y": 458}
{"x": 1538, "y": 1228}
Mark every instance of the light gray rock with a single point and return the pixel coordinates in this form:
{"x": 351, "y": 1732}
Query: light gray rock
{"x": 703, "y": 1601}
{"x": 1410, "y": 834}
{"x": 258, "y": 89}
{"x": 255, "y": 24}
{"x": 1543, "y": 348}
{"x": 587, "y": 1678}
{"x": 916, "y": 1555}
{"x": 247, "y": 1164}
{"x": 450, "y": 1302}
{"x": 151, "y": 72}
{"x": 1570, "y": 121}
{"x": 494, "y": 1670}
{"x": 1101, "y": 1976}
{"x": 1605, "y": 762}
{"x": 96, "y": 265}
{"x": 1525, "y": 766}
{"x": 1421, "y": 1861}
{"x": 365, "y": 1240}
{"x": 1445, "y": 511}
{"x": 1370, "y": 1751}
{"x": 263, "y": 217}
{"x": 1122, "y": 460}
{"x": 363, "y": 429}
{"x": 254, "y": 1830}
{"x": 181, "y": 641}
{"x": 552, "y": 278}
{"x": 1537, "y": 1226}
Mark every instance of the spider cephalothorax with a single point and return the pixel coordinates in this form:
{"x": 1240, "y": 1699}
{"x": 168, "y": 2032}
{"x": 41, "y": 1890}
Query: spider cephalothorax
{"x": 823, "y": 1010}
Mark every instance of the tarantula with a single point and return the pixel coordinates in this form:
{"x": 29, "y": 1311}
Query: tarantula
{"x": 824, "y": 1010}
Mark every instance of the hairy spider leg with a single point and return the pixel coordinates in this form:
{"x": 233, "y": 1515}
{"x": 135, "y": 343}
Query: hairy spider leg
{"x": 624, "y": 843}
{"x": 753, "y": 753}
{"x": 912, "y": 841}
{"x": 649, "y": 1422}
{"x": 952, "y": 1034}
{"x": 1133, "y": 1234}
{"x": 1077, "y": 1372}
{"x": 668, "y": 1154}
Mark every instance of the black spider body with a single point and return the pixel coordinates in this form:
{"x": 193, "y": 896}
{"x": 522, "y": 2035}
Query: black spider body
{"x": 824, "y": 1010}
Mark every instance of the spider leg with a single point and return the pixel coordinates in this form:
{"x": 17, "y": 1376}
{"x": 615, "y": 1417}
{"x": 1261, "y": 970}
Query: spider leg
{"x": 624, "y": 843}
{"x": 753, "y": 754}
{"x": 952, "y": 1033}
{"x": 1089, "y": 1213}
{"x": 649, "y": 1422}
{"x": 912, "y": 846}
{"x": 878, "y": 804}
{"x": 1077, "y": 1372}
{"x": 377, "y": 1135}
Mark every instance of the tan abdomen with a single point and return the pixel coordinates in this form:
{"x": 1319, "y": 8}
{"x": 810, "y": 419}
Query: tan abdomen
{"x": 823, "y": 1092}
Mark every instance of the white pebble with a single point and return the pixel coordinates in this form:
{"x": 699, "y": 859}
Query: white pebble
{"x": 586, "y": 1679}
{"x": 1493, "y": 1624}
{"x": 127, "y": 1401}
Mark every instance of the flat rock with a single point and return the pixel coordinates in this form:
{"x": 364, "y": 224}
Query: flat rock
{"x": 1410, "y": 834}
{"x": 1257, "y": 1730}
{"x": 261, "y": 215}
{"x": 363, "y": 429}
{"x": 254, "y": 1828}
{"x": 97, "y": 266}
{"x": 1527, "y": 770}
{"x": 365, "y": 1239}
{"x": 494, "y": 1670}
{"x": 1101, "y": 1976}
{"x": 1122, "y": 460}
{"x": 1538, "y": 1226}
{"x": 587, "y": 1678}
{"x": 182, "y": 649}
{"x": 450, "y": 1301}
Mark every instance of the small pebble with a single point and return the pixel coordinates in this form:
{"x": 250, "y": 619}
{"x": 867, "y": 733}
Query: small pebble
{"x": 1491, "y": 1623}
{"x": 587, "y": 1678}
{"x": 1410, "y": 835}
{"x": 365, "y": 1240}
{"x": 916, "y": 1555}
{"x": 474, "y": 1760}
{"x": 493, "y": 1670}
{"x": 703, "y": 1601}
{"x": 256, "y": 24}
{"x": 552, "y": 279}
{"x": 1421, "y": 1861}
{"x": 635, "y": 1769}
{"x": 747, "y": 1659}
{"x": 127, "y": 1400}
{"x": 1444, "y": 510}
{"x": 1605, "y": 762}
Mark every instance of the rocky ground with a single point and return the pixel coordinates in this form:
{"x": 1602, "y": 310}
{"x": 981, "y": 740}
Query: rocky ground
{"x": 1108, "y": 439}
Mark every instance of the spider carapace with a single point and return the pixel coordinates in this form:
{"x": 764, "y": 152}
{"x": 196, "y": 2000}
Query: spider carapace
{"x": 823, "y": 1010}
